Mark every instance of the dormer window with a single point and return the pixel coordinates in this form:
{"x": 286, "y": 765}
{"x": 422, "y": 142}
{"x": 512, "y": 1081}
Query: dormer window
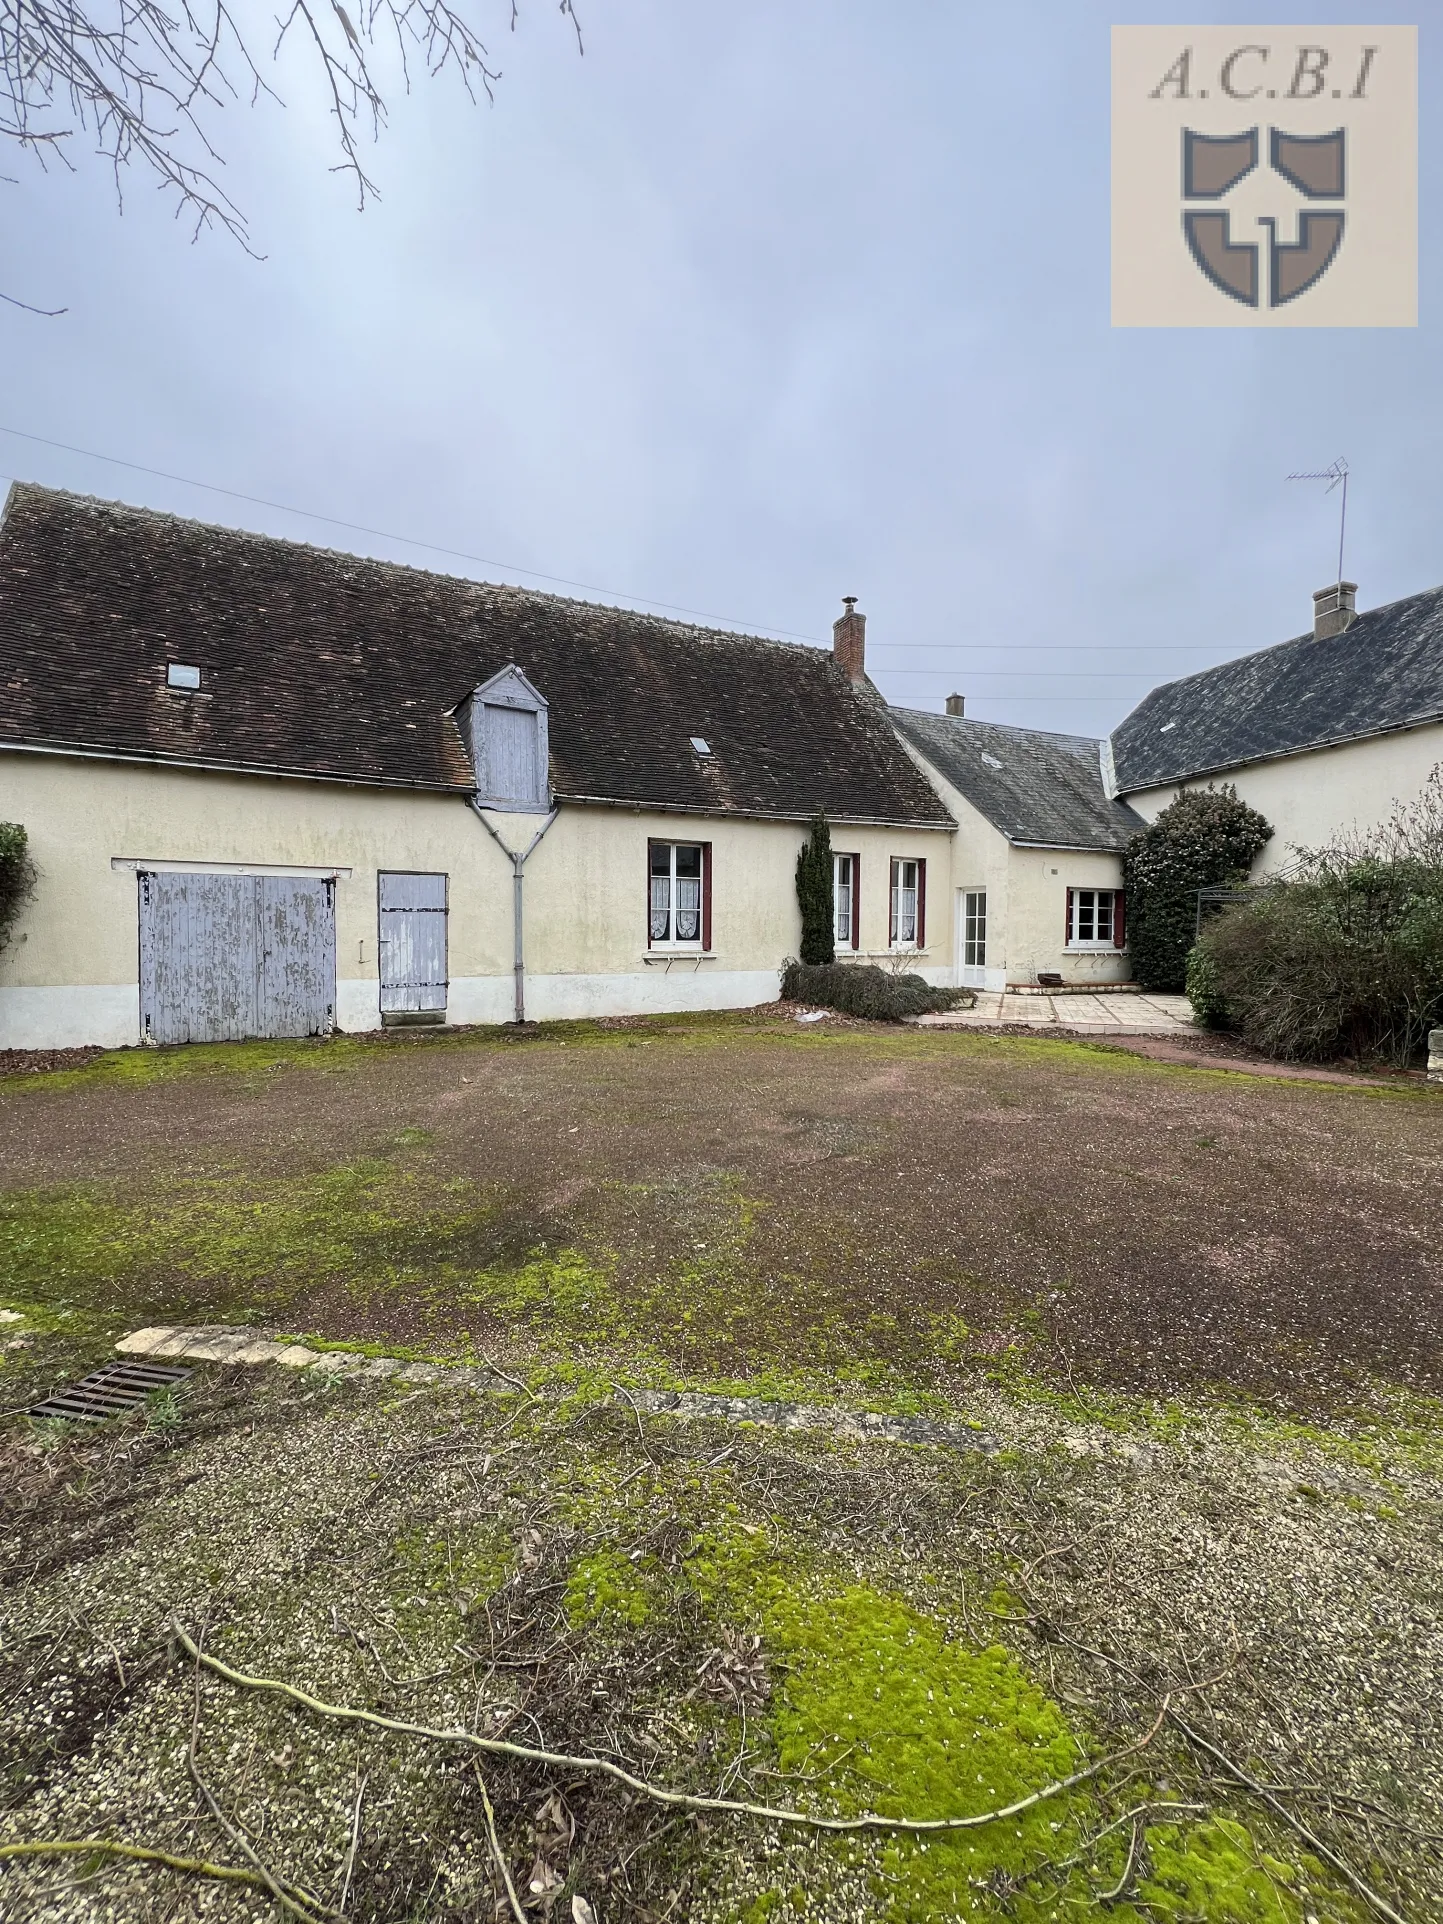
{"x": 182, "y": 674}
{"x": 508, "y": 742}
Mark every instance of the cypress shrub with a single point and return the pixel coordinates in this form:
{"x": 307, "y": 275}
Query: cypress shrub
{"x": 17, "y": 876}
{"x": 1207, "y": 838}
{"x": 814, "y": 894}
{"x": 863, "y": 990}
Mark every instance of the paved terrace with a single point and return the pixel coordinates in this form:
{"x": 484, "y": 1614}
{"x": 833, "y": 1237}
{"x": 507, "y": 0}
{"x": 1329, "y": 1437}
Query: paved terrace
{"x": 1129, "y": 1013}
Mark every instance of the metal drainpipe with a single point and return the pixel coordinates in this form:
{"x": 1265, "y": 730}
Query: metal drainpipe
{"x": 518, "y": 859}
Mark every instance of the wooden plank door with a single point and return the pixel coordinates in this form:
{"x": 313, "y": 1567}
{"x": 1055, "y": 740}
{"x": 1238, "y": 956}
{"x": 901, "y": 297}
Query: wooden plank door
{"x": 412, "y": 942}
{"x": 223, "y": 957}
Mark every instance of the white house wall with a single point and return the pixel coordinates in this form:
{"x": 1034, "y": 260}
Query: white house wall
{"x": 1313, "y": 798}
{"x": 70, "y": 974}
{"x": 1026, "y": 897}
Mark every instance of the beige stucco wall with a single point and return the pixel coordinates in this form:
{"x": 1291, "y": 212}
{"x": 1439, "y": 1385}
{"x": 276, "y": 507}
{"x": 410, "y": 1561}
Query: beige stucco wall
{"x": 71, "y": 973}
{"x": 1026, "y": 897}
{"x": 1313, "y": 798}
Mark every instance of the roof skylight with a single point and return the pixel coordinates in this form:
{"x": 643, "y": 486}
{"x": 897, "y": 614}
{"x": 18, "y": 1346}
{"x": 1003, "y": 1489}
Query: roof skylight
{"x": 701, "y": 746}
{"x": 182, "y": 674}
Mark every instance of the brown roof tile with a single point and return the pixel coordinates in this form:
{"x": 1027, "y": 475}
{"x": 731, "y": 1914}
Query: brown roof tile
{"x": 325, "y": 664}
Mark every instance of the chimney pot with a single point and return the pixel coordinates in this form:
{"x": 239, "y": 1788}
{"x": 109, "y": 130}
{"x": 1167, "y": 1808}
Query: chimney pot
{"x": 956, "y": 705}
{"x": 1334, "y": 609}
{"x": 849, "y": 640}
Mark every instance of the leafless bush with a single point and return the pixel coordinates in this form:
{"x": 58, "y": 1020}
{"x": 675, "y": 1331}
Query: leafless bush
{"x": 1345, "y": 959}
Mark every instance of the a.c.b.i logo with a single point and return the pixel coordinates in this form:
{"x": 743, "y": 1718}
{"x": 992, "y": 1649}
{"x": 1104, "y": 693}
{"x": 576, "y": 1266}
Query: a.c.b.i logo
{"x": 1271, "y": 269}
{"x": 1264, "y": 176}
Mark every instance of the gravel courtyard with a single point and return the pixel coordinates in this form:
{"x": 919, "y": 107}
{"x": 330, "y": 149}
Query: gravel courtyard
{"x": 1166, "y": 1521}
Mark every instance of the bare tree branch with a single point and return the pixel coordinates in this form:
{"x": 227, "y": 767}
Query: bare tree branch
{"x": 142, "y": 80}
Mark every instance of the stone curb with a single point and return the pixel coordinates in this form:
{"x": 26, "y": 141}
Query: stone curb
{"x": 220, "y": 1343}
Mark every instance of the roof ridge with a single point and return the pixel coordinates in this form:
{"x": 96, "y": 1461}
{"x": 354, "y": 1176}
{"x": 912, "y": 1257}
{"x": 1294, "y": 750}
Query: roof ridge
{"x": 666, "y": 622}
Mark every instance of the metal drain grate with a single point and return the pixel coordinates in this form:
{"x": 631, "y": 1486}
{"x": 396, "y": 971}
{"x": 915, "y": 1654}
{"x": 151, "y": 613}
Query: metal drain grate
{"x": 109, "y": 1392}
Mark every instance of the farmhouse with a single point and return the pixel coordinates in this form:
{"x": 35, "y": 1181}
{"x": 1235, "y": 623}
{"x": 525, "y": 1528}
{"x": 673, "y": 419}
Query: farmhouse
{"x": 1324, "y": 734}
{"x": 271, "y": 789}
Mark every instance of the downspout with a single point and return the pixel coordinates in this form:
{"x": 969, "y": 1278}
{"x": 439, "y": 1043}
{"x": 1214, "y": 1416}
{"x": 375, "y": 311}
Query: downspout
{"x": 518, "y": 859}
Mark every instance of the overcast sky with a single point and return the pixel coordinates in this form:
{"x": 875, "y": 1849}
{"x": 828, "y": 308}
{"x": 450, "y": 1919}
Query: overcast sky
{"x": 750, "y": 307}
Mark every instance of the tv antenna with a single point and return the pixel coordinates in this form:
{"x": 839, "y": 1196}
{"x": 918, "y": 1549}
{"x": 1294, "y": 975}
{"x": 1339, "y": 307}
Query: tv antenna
{"x": 1334, "y": 474}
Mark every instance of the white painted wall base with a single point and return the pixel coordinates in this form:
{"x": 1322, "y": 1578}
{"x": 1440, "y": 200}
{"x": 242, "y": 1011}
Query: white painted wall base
{"x": 108, "y": 1015}
{"x": 104, "y": 1015}
{"x": 651, "y": 991}
{"x": 358, "y": 1005}
{"x": 483, "y": 998}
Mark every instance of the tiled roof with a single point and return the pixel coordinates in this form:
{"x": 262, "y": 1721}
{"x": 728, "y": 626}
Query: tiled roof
{"x": 1040, "y": 790}
{"x": 1384, "y": 672}
{"x": 324, "y": 664}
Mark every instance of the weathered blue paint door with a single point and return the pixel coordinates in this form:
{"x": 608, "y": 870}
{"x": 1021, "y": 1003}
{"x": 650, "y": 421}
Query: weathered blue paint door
{"x": 413, "y": 942}
{"x": 223, "y": 957}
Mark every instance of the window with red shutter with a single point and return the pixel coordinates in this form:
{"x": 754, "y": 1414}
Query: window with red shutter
{"x": 678, "y": 895}
{"x": 909, "y": 879}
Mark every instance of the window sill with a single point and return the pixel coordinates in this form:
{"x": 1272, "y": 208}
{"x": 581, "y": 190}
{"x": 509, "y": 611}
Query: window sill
{"x": 1093, "y": 948}
{"x": 679, "y": 955}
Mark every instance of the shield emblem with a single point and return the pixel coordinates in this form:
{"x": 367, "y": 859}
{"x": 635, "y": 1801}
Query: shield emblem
{"x": 1313, "y": 165}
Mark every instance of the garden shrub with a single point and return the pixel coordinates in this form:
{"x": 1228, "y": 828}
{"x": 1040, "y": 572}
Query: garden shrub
{"x": 814, "y": 894}
{"x": 17, "y": 876}
{"x": 877, "y": 994}
{"x": 1207, "y": 838}
{"x": 1346, "y": 958}
{"x": 1204, "y": 989}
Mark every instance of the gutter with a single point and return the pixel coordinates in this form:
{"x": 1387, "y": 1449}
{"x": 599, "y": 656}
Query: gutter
{"x": 941, "y": 824}
{"x": 518, "y": 859}
{"x": 82, "y": 752}
{"x": 1132, "y": 786}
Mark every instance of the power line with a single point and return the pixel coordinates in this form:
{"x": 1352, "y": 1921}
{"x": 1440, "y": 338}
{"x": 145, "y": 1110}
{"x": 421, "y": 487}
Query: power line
{"x": 590, "y": 587}
{"x": 406, "y": 540}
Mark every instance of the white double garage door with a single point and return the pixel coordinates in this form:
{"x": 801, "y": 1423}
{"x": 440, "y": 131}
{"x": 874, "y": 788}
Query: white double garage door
{"x": 226, "y": 956}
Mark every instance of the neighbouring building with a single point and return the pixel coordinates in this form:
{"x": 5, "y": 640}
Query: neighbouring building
{"x": 1036, "y": 883}
{"x": 271, "y": 789}
{"x": 1325, "y": 734}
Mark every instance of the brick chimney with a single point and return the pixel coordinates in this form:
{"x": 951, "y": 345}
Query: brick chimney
{"x": 956, "y": 704}
{"x": 1334, "y": 609}
{"x": 849, "y": 640}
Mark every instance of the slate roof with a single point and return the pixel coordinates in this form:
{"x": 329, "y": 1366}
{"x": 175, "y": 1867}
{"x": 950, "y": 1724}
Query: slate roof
{"x": 1040, "y": 790}
{"x": 324, "y": 664}
{"x": 1384, "y": 672}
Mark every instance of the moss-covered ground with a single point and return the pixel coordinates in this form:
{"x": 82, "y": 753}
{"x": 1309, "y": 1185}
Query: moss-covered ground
{"x": 1234, "y": 1512}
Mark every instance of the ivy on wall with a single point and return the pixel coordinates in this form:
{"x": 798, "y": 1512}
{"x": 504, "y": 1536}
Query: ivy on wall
{"x": 17, "y": 876}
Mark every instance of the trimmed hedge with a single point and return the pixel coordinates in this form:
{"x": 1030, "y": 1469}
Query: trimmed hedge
{"x": 1207, "y": 838}
{"x": 859, "y": 989}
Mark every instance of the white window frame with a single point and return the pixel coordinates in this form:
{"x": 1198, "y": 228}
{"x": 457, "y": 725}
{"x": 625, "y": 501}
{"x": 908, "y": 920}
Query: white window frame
{"x": 974, "y": 952}
{"x": 1089, "y": 912}
{"x": 662, "y": 898}
{"x": 844, "y": 918}
{"x": 904, "y": 902}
